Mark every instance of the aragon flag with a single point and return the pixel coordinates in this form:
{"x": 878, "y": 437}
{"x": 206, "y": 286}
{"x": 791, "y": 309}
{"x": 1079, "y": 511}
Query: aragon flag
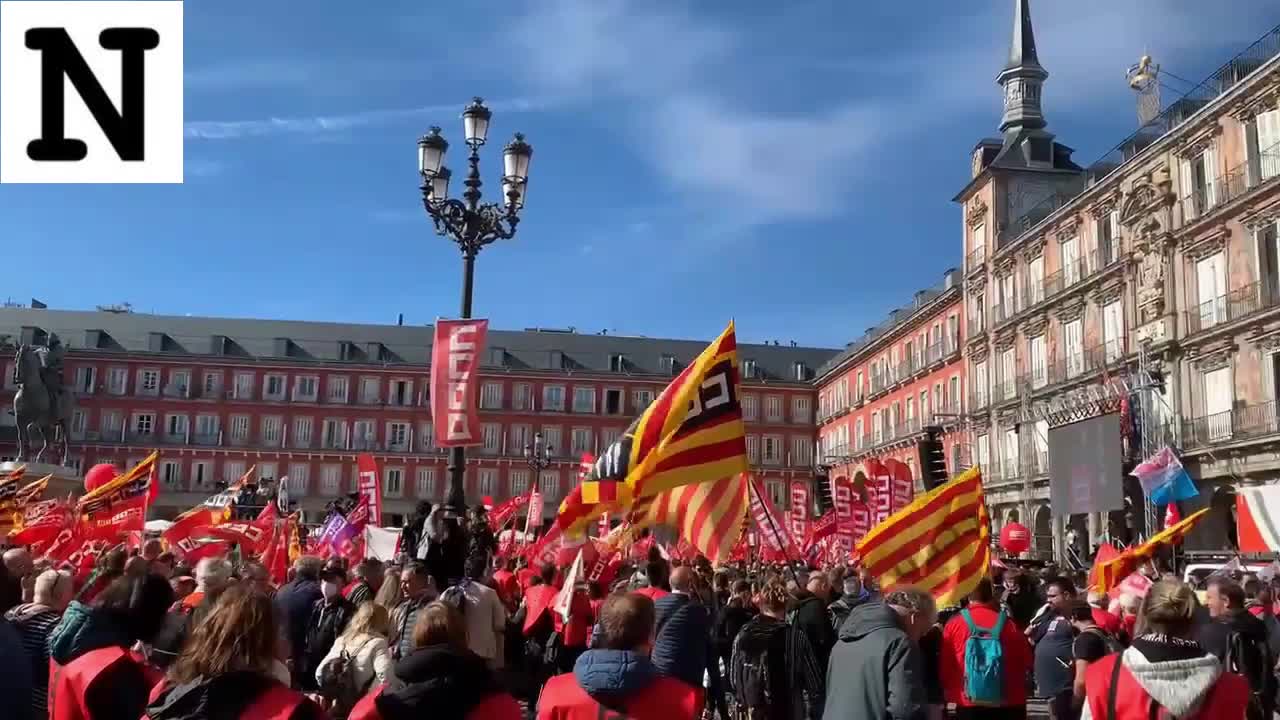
{"x": 708, "y": 515}
{"x": 941, "y": 542}
{"x": 691, "y": 433}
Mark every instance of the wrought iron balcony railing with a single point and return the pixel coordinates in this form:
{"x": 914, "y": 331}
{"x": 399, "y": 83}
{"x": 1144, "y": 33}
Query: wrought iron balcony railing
{"x": 1246, "y": 422}
{"x": 1235, "y": 305}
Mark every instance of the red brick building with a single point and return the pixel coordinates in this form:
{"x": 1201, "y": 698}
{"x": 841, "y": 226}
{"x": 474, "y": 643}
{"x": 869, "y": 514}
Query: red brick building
{"x": 300, "y": 399}
{"x": 876, "y": 398}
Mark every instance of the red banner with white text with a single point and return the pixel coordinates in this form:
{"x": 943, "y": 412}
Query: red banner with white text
{"x": 368, "y": 486}
{"x": 773, "y": 531}
{"x": 455, "y": 375}
{"x": 799, "y": 509}
{"x": 842, "y": 499}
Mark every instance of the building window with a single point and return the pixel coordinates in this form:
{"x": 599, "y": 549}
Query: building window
{"x": 211, "y": 388}
{"x": 487, "y": 482}
{"x": 393, "y": 482}
{"x": 953, "y": 397}
{"x": 117, "y": 380}
{"x": 336, "y": 389}
{"x": 240, "y": 427}
{"x": 370, "y": 390}
{"x": 750, "y": 408}
{"x": 302, "y": 427}
{"x": 491, "y": 435}
{"x": 170, "y": 473}
{"x": 553, "y": 397}
{"x": 201, "y": 474}
{"x": 1113, "y": 330}
{"x": 401, "y": 393}
{"x": 175, "y": 427}
{"x": 267, "y": 472}
{"x": 306, "y": 388}
{"x": 753, "y": 449}
{"x": 244, "y": 386}
{"x": 801, "y": 451}
{"x": 364, "y": 435}
{"x": 398, "y": 436}
{"x": 179, "y": 384}
{"x": 1199, "y": 179}
{"x": 521, "y": 396}
{"x": 549, "y": 485}
{"x": 1218, "y": 396}
{"x": 111, "y": 424}
{"x": 801, "y": 410}
{"x": 773, "y": 408}
{"x": 519, "y": 480}
{"x": 232, "y": 471}
{"x": 273, "y": 387}
{"x": 1211, "y": 285}
{"x": 521, "y": 435}
{"x": 149, "y": 381}
{"x": 667, "y": 364}
{"x": 426, "y": 437}
{"x": 333, "y": 434}
{"x": 426, "y": 483}
{"x": 272, "y": 430}
{"x": 1070, "y": 256}
{"x": 777, "y": 493}
{"x": 613, "y": 401}
{"x": 1035, "y": 281}
{"x": 330, "y": 479}
{"x": 79, "y": 421}
{"x": 641, "y": 399}
{"x": 551, "y": 439}
{"x": 144, "y": 423}
{"x": 608, "y": 437}
{"x": 583, "y": 441}
{"x": 1073, "y": 340}
{"x": 491, "y": 396}
{"x": 86, "y": 378}
{"x": 749, "y": 369}
{"x": 584, "y": 400}
{"x": 299, "y": 479}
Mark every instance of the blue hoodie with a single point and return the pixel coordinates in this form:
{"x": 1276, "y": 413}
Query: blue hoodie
{"x": 606, "y": 674}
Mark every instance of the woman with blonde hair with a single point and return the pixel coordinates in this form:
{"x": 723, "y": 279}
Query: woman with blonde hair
{"x": 390, "y": 595}
{"x": 226, "y": 669}
{"x": 1164, "y": 673}
{"x": 360, "y": 650}
{"x": 440, "y": 678}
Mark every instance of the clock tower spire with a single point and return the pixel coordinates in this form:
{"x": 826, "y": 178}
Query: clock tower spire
{"x": 1022, "y": 77}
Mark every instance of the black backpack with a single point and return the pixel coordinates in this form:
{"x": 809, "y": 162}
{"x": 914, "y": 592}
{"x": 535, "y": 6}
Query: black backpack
{"x": 749, "y": 677}
{"x": 1251, "y": 660}
{"x": 338, "y": 683}
{"x": 1113, "y": 645}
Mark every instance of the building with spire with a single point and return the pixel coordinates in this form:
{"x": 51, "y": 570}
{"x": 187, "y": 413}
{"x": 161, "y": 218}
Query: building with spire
{"x": 1151, "y": 270}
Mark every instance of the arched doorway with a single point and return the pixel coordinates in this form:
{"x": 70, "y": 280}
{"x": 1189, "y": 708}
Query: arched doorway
{"x": 1043, "y": 530}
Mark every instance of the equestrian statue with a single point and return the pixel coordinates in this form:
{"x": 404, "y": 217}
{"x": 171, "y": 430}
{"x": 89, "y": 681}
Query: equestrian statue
{"x": 42, "y": 403}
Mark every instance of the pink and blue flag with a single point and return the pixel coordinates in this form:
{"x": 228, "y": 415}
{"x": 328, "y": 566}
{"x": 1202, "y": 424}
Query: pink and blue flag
{"x": 1163, "y": 478}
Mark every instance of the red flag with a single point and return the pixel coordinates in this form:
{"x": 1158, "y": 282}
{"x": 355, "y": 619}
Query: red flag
{"x": 252, "y": 537}
{"x": 506, "y": 512}
{"x": 799, "y": 522}
{"x": 213, "y": 510}
{"x": 42, "y": 521}
{"x": 136, "y": 487}
{"x": 455, "y": 372}
{"x": 774, "y": 531}
{"x": 214, "y": 548}
{"x": 369, "y": 486}
{"x": 1171, "y": 515}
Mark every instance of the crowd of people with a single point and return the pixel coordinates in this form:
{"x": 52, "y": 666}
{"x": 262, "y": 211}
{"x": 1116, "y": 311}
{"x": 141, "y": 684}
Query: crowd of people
{"x": 147, "y": 637}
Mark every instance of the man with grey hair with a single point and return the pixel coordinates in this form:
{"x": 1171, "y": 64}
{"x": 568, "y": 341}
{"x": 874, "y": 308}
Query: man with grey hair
{"x": 876, "y": 669}
{"x": 51, "y": 591}
{"x": 18, "y": 562}
{"x": 213, "y": 577}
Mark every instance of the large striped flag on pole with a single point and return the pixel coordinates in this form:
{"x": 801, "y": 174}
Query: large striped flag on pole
{"x": 1258, "y": 519}
{"x": 940, "y": 543}
{"x": 708, "y": 515}
{"x": 1112, "y": 572}
{"x": 691, "y": 433}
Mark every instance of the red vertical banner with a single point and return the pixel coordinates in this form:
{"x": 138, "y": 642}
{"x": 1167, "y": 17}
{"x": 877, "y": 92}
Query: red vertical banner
{"x": 799, "y": 509}
{"x": 861, "y": 521}
{"x": 368, "y": 486}
{"x": 901, "y": 484}
{"x": 879, "y": 490}
{"x": 842, "y": 498}
{"x": 455, "y": 375}
{"x": 773, "y": 531}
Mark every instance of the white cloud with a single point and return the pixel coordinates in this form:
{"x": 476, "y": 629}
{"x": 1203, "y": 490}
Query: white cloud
{"x": 320, "y": 124}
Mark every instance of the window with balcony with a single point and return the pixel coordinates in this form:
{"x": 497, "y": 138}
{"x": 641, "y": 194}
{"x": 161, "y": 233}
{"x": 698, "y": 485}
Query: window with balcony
{"x": 521, "y": 435}
{"x": 584, "y": 400}
{"x": 267, "y": 471}
{"x": 398, "y": 437}
{"x": 273, "y": 387}
{"x": 1009, "y": 446}
{"x": 939, "y": 399}
{"x": 519, "y": 480}
{"x": 1073, "y": 342}
{"x": 491, "y": 438}
{"x": 978, "y": 246}
{"x": 336, "y": 389}
{"x": 426, "y": 437}
{"x": 979, "y": 385}
{"x": 239, "y": 428}
{"x": 801, "y": 451}
{"x": 244, "y": 387}
{"x": 175, "y": 428}
{"x": 364, "y": 435}
{"x": 777, "y": 491}
{"x": 426, "y": 483}
{"x": 641, "y": 400}
{"x": 1007, "y": 306}
{"x": 552, "y": 440}
{"x": 171, "y": 473}
{"x": 1039, "y": 361}
{"x": 179, "y": 385}
{"x": 953, "y": 395}
{"x": 553, "y": 398}
{"x": 330, "y": 480}
{"x": 608, "y": 437}
{"x": 977, "y": 313}
{"x": 1198, "y": 179}
{"x": 1113, "y": 330}
{"x": 549, "y": 485}
{"x": 1035, "y": 280}
{"x": 144, "y": 423}
{"x": 1069, "y": 253}
{"x": 521, "y": 396}
{"x": 487, "y": 482}
{"x": 491, "y": 396}
{"x": 300, "y": 479}
{"x": 1266, "y": 159}
{"x": 1008, "y": 373}
{"x": 1211, "y": 285}
{"x": 801, "y": 410}
{"x": 859, "y": 435}
{"x": 302, "y": 427}
{"x": 982, "y": 452}
{"x": 117, "y": 380}
{"x": 1041, "y": 442}
{"x": 877, "y": 429}
{"x": 370, "y": 390}
{"x": 393, "y": 482}
{"x": 1218, "y": 402}
{"x": 1267, "y": 240}
{"x": 232, "y": 471}
{"x": 613, "y": 401}
{"x": 859, "y": 389}
{"x": 211, "y": 385}
{"x": 149, "y": 381}
{"x": 1108, "y": 233}
{"x": 272, "y": 430}
{"x": 583, "y": 441}
{"x": 85, "y": 380}
{"x": 306, "y": 388}
{"x": 753, "y": 449}
{"x": 79, "y": 422}
{"x": 206, "y": 429}
{"x": 333, "y": 434}
{"x": 201, "y": 474}
{"x": 401, "y": 393}
{"x": 773, "y": 408}
{"x": 112, "y": 424}
{"x": 750, "y": 407}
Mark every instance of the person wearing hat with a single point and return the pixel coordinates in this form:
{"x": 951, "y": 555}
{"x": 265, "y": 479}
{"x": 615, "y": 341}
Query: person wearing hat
{"x": 329, "y": 617}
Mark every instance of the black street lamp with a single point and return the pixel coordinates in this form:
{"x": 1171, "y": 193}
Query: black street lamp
{"x": 538, "y": 453}
{"x": 469, "y": 223}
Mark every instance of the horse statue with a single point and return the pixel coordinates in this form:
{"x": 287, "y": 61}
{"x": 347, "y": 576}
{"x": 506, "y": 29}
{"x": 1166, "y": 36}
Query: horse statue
{"x": 40, "y": 403}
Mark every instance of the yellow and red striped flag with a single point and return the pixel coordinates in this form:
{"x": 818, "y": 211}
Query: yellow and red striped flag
{"x": 941, "y": 542}
{"x": 691, "y": 433}
{"x": 1112, "y": 572}
{"x": 708, "y": 515}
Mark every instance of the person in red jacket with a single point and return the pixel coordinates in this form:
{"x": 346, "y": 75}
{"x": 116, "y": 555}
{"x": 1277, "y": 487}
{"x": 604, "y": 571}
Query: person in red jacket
{"x": 984, "y": 611}
{"x": 1164, "y": 673}
{"x": 506, "y": 585}
{"x": 1108, "y": 622}
{"x": 616, "y": 679}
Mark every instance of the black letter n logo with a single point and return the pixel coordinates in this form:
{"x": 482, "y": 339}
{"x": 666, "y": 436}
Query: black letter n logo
{"x": 58, "y": 57}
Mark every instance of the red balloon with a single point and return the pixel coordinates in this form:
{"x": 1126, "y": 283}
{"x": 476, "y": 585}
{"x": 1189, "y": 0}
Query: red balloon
{"x": 99, "y": 475}
{"x": 1015, "y": 538}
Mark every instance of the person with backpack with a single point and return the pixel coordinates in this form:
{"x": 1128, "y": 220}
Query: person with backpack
{"x": 772, "y": 666}
{"x": 984, "y": 660}
{"x": 1093, "y": 642}
{"x": 358, "y": 660}
{"x": 1239, "y": 641}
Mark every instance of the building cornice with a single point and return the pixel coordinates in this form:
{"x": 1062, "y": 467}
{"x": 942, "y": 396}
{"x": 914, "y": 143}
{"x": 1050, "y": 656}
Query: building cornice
{"x": 926, "y": 312}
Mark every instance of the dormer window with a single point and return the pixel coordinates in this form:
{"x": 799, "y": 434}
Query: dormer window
{"x": 800, "y": 371}
{"x": 748, "y": 368}
{"x": 617, "y": 363}
{"x": 667, "y": 364}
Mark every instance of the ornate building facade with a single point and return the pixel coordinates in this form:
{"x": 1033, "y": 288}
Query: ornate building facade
{"x": 1162, "y": 254}
{"x": 301, "y": 399}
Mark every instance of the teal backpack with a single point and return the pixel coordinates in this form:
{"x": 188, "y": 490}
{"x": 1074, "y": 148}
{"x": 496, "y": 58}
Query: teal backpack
{"x": 984, "y": 663}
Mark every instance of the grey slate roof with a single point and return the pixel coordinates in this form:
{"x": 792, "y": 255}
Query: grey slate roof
{"x": 303, "y": 341}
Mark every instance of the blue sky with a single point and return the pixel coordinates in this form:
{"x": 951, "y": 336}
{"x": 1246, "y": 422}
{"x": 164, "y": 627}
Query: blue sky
{"x": 787, "y": 164}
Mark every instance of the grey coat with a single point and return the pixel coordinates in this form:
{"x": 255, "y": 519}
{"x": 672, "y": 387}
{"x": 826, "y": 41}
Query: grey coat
{"x": 875, "y": 672}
